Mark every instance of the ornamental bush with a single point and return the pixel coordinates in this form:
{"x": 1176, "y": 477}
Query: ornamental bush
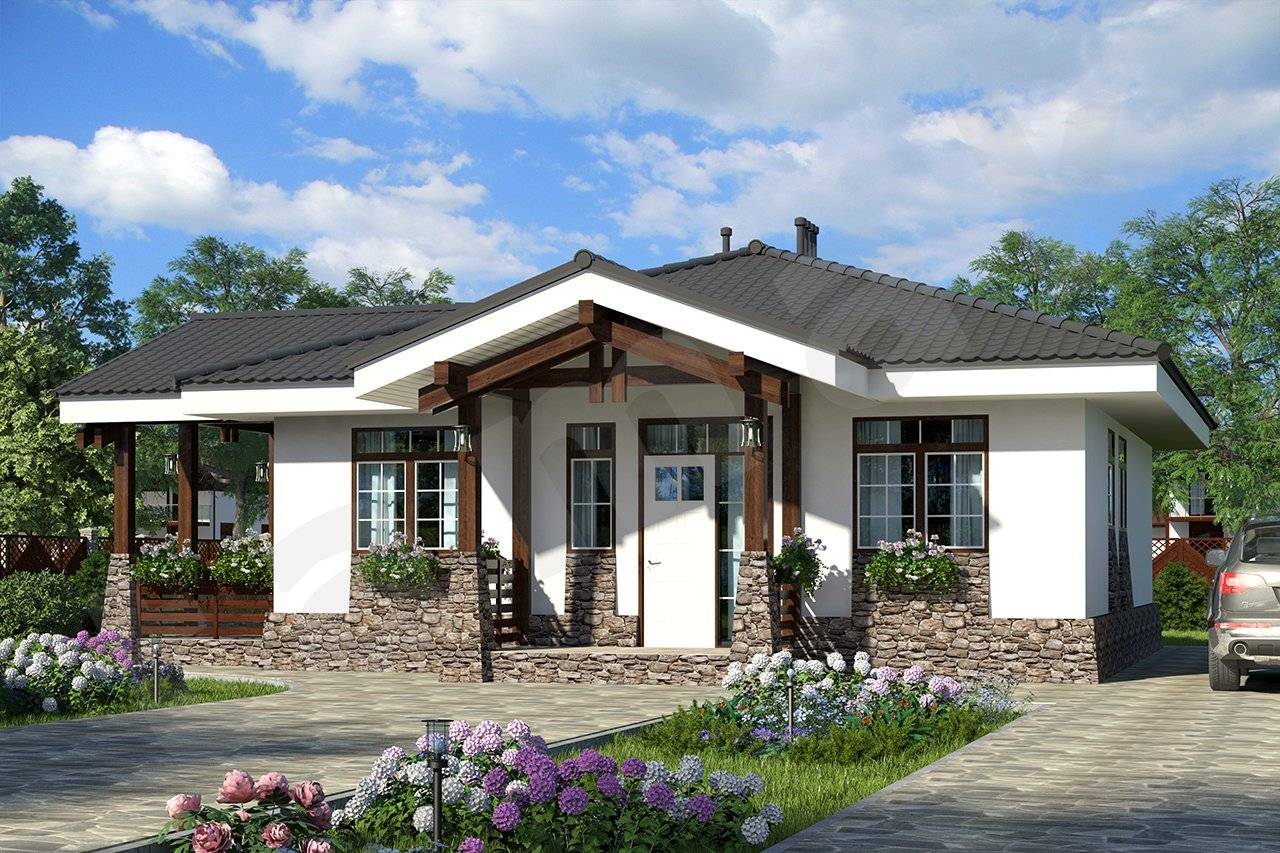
{"x": 90, "y": 583}
{"x": 797, "y": 562}
{"x": 245, "y": 563}
{"x": 43, "y": 602}
{"x": 1183, "y": 598}
{"x": 399, "y": 564}
{"x": 168, "y": 566}
{"x": 54, "y": 672}
{"x": 503, "y": 791}
{"x": 263, "y": 814}
{"x": 913, "y": 565}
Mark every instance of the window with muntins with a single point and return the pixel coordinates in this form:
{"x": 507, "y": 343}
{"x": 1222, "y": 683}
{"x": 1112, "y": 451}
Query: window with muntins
{"x": 926, "y": 474}
{"x": 591, "y": 484}
{"x": 406, "y": 481}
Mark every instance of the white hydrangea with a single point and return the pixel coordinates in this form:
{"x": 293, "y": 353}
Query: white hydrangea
{"x": 751, "y": 671}
{"x": 418, "y": 773}
{"x": 755, "y": 829}
{"x": 780, "y": 659}
{"x": 835, "y": 660}
{"x": 768, "y": 677}
{"x": 733, "y": 675}
{"x": 424, "y": 819}
{"x": 452, "y": 791}
{"x": 809, "y": 692}
{"x": 68, "y": 659}
{"x": 759, "y": 659}
{"x": 476, "y": 800}
{"x": 862, "y": 663}
{"x": 826, "y": 683}
{"x": 753, "y": 784}
{"x": 6, "y": 647}
{"x": 79, "y": 683}
{"x": 49, "y": 705}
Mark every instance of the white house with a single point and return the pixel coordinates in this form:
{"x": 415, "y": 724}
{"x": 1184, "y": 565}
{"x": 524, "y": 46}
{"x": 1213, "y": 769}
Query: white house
{"x": 610, "y": 415}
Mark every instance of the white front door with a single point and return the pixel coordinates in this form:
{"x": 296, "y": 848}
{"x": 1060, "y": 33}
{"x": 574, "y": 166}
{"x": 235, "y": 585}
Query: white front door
{"x": 679, "y": 551}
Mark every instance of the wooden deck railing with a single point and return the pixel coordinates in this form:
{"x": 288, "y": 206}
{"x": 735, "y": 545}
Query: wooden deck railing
{"x": 20, "y": 552}
{"x": 502, "y": 603}
{"x": 213, "y": 612}
{"x": 1189, "y": 552}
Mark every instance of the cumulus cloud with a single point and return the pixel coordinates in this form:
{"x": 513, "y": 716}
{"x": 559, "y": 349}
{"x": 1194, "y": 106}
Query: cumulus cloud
{"x": 130, "y": 179}
{"x": 336, "y": 148}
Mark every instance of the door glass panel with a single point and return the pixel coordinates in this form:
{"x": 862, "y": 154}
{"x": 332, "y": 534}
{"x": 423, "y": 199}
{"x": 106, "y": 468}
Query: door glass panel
{"x": 666, "y": 485}
{"x": 691, "y": 483}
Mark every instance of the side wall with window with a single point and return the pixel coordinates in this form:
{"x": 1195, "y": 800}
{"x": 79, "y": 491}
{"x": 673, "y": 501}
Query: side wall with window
{"x": 1119, "y": 498}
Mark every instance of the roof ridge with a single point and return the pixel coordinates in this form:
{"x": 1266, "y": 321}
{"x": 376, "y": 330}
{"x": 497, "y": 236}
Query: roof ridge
{"x": 327, "y": 312}
{"x": 1158, "y": 348}
{"x": 704, "y": 260}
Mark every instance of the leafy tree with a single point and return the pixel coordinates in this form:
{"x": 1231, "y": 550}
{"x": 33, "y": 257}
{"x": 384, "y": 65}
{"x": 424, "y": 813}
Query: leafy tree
{"x": 396, "y": 287}
{"x": 1042, "y": 274}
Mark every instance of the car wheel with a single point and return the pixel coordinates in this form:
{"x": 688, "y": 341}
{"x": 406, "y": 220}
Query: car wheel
{"x": 1223, "y": 675}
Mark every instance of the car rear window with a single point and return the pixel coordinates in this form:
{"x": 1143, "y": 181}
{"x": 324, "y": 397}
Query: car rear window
{"x": 1261, "y": 545}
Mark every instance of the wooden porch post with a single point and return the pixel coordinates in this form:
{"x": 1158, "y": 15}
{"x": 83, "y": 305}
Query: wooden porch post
{"x": 792, "y": 516}
{"x": 469, "y": 479}
{"x": 521, "y": 510}
{"x": 188, "y": 482}
{"x": 123, "y": 481}
{"x": 754, "y": 479}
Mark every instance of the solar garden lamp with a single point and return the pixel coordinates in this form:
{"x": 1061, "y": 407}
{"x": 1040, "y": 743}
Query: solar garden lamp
{"x": 155, "y": 670}
{"x": 791, "y": 705}
{"x": 437, "y": 737}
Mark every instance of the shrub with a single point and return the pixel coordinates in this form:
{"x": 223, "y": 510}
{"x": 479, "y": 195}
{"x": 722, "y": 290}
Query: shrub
{"x": 262, "y": 814}
{"x": 90, "y": 583}
{"x": 245, "y": 563}
{"x": 53, "y": 672}
{"x": 168, "y": 566}
{"x": 913, "y": 565}
{"x": 399, "y": 565}
{"x": 1183, "y": 598}
{"x": 39, "y": 601}
{"x": 797, "y": 561}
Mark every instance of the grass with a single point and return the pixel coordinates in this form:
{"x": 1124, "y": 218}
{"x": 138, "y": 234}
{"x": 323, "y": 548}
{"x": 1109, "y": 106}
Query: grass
{"x": 1193, "y": 637}
{"x": 199, "y": 691}
{"x": 807, "y": 791}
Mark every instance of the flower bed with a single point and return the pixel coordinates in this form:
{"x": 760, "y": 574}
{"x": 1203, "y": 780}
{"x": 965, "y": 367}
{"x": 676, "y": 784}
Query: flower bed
{"x": 169, "y": 566}
{"x": 262, "y": 814}
{"x": 244, "y": 563}
{"x": 399, "y": 564}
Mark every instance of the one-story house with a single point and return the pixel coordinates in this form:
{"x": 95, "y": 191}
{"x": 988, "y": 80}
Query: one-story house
{"x": 638, "y": 442}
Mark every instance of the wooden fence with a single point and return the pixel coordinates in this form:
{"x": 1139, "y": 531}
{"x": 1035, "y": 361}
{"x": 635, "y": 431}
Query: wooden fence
{"x": 213, "y": 612}
{"x": 1189, "y": 552}
{"x": 20, "y": 552}
{"x": 502, "y": 603}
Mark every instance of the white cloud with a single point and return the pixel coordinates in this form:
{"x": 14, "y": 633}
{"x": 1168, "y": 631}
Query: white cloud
{"x": 336, "y": 148}
{"x": 96, "y": 17}
{"x": 130, "y": 179}
{"x": 580, "y": 184}
{"x": 945, "y": 254}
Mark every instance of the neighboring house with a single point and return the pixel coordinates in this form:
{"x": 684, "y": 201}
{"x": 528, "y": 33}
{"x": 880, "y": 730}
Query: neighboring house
{"x": 1188, "y": 532}
{"x": 216, "y": 513}
{"x": 638, "y": 442}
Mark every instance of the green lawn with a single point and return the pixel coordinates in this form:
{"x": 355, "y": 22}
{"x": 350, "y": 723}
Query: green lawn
{"x": 199, "y": 690}
{"x": 1174, "y": 637}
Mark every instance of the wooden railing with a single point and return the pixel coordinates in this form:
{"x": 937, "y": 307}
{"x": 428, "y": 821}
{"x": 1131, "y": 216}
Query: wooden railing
{"x": 789, "y": 613}
{"x": 213, "y": 612}
{"x": 1189, "y": 552}
{"x": 20, "y": 552}
{"x": 503, "y": 603}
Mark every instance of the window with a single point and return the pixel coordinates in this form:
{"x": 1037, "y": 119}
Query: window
{"x": 731, "y": 539}
{"x": 1199, "y": 503}
{"x": 1124, "y": 484}
{"x": 407, "y": 483}
{"x": 1111, "y": 479}
{"x": 590, "y": 452}
{"x": 927, "y": 474}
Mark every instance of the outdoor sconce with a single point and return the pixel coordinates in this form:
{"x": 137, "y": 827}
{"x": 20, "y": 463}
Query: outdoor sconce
{"x": 155, "y": 670}
{"x": 751, "y": 432}
{"x": 170, "y": 463}
{"x": 261, "y": 472}
{"x": 463, "y": 435}
{"x": 437, "y": 740}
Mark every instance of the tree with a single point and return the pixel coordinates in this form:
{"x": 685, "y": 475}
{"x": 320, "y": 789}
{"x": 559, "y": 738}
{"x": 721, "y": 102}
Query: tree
{"x": 1042, "y": 274}
{"x": 47, "y": 286}
{"x": 396, "y": 287}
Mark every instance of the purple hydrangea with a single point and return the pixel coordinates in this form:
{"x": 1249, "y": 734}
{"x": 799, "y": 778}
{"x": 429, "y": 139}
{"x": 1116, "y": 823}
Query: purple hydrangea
{"x": 459, "y": 730}
{"x": 570, "y": 770}
{"x": 530, "y": 761}
{"x": 471, "y": 845}
{"x": 506, "y": 816}
{"x": 542, "y": 787}
{"x": 702, "y": 807}
{"x": 885, "y": 673}
{"x": 508, "y": 756}
{"x": 573, "y": 800}
{"x": 394, "y": 753}
{"x": 591, "y": 761}
{"x": 913, "y": 675}
{"x": 610, "y": 786}
{"x": 518, "y": 730}
{"x": 633, "y": 767}
{"x": 762, "y": 733}
{"x": 660, "y": 796}
{"x": 495, "y": 781}
{"x": 880, "y": 688}
{"x": 486, "y": 738}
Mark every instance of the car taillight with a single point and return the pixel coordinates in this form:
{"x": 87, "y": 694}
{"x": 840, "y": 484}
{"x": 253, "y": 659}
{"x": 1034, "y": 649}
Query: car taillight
{"x": 1234, "y": 583}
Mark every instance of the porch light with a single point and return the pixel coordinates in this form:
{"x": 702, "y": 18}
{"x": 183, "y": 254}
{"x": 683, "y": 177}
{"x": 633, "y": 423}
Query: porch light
{"x": 437, "y": 741}
{"x": 261, "y": 472}
{"x": 155, "y": 671}
{"x": 170, "y": 463}
{"x": 462, "y": 433}
{"x": 750, "y": 432}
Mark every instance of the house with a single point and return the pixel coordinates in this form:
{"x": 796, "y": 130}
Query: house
{"x": 1188, "y": 531}
{"x": 637, "y": 441}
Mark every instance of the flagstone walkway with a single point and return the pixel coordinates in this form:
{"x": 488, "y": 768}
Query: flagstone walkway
{"x": 83, "y": 784}
{"x": 1151, "y": 762}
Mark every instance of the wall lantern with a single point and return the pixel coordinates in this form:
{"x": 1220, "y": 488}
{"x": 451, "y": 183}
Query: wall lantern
{"x": 751, "y": 432}
{"x": 261, "y": 472}
{"x": 170, "y": 463}
{"x": 437, "y": 741}
{"x": 462, "y": 434}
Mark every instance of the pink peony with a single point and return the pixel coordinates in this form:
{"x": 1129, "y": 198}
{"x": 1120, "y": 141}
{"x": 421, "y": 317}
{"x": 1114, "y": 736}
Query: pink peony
{"x": 182, "y": 803}
{"x": 317, "y": 845}
{"x": 321, "y": 816}
{"x": 243, "y": 815}
{"x": 276, "y": 835}
{"x": 271, "y": 786}
{"x": 211, "y": 838}
{"x": 308, "y": 794}
{"x": 236, "y": 788}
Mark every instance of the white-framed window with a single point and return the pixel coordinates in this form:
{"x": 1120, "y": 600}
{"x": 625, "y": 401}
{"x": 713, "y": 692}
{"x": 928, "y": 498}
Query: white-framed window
{"x": 379, "y": 502}
{"x": 1123, "y": 459}
{"x": 591, "y": 504}
{"x": 436, "y": 503}
{"x": 886, "y": 497}
{"x": 954, "y": 503}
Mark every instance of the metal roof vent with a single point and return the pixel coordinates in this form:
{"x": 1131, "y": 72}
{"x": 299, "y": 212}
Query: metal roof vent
{"x": 806, "y": 237}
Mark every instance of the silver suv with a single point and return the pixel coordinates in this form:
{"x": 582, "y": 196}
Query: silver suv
{"x": 1244, "y": 604}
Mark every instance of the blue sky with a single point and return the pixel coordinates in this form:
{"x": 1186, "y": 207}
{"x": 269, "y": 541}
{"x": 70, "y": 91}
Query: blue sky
{"x": 493, "y": 140}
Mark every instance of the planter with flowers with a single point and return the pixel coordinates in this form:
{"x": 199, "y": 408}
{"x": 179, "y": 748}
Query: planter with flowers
{"x": 913, "y": 565}
{"x": 798, "y": 569}
{"x": 244, "y": 564}
{"x": 168, "y": 566}
{"x": 400, "y": 565}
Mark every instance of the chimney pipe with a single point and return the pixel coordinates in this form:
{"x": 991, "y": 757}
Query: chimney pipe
{"x": 813, "y": 239}
{"x": 725, "y": 233}
{"x": 802, "y": 235}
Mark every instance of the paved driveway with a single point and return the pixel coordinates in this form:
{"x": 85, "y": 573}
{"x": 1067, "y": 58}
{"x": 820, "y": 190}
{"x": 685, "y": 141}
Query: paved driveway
{"x": 82, "y": 784}
{"x": 1152, "y": 762}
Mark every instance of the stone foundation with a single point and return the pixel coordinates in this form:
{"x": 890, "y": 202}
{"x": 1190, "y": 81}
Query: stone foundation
{"x": 1123, "y": 638}
{"x": 1119, "y": 576}
{"x": 756, "y": 612}
{"x": 118, "y": 604}
{"x": 590, "y": 615}
{"x": 599, "y": 666}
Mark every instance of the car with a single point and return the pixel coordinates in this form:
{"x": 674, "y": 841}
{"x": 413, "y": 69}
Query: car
{"x": 1244, "y": 603}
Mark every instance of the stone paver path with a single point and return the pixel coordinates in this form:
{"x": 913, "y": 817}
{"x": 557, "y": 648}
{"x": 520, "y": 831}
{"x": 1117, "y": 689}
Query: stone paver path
{"x": 1153, "y": 761}
{"x": 83, "y": 784}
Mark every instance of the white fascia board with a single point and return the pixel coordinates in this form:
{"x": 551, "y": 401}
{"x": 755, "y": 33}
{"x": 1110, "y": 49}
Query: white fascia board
{"x": 701, "y": 324}
{"x": 1181, "y": 406}
{"x": 239, "y": 404}
{"x": 1067, "y": 380}
{"x": 110, "y": 410}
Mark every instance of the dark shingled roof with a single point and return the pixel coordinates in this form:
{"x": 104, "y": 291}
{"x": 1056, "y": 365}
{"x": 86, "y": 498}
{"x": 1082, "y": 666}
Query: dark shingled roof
{"x": 307, "y": 345}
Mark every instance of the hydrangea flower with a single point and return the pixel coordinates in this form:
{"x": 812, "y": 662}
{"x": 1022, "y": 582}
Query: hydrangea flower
{"x": 913, "y": 674}
{"x": 755, "y": 829}
{"x": 656, "y": 771}
{"x": 476, "y": 800}
{"x": 722, "y": 782}
{"x": 452, "y": 790}
{"x": 772, "y": 814}
{"x": 569, "y": 770}
{"x": 459, "y": 730}
{"x": 495, "y": 781}
{"x": 518, "y": 792}
{"x": 506, "y": 816}
{"x": 610, "y": 786}
{"x": 518, "y": 730}
{"x": 928, "y": 700}
{"x": 49, "y": 705}
{"x": 753, "y": 784}
{"x": 471, "y": 844}
{"x": 690, "y": 771}
{"x": 759, "y": 659}
{"x": 469, "y": 772}
{"x": 660, "y": 796}
{"x": 780, "y": 659}
{"x": 424, "y": 819}
{"x": 768, "y": 677}
{"x": 508, "y": 756}
{"x": 634, "y": 767}
{"x": 573, "y": 800}
{"x": 702, "y": 807}
{"x": 393, "y": 753}
{"x": 862, "y": 663}
{"x": 542, "y": 787}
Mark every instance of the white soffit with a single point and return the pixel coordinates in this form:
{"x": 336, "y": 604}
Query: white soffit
{"x": 396, "y": 378}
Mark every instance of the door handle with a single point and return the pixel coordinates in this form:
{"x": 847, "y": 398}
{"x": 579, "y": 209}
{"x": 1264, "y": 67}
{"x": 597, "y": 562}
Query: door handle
{"x": 655, "y": 562}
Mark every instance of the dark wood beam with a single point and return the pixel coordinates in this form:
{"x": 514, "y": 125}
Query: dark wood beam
{"x": 271, "y": 485}
{"x": 469, "y": 479}
{"x": 227, "y": 433}
{"x": 266, "y": 427}
{"x": 84, "y": 437}
{"x": 188, "y": 481}
{"x": 792, "y": 515}
{"x": 447, "y": 373}
{"x": 688, "y": 360}
{"x": 595, "y": 371}
{"x": 618, "y": 376}
{"x": 124, "y": 487}
{"x": 521, "y": 502}
{"x": 754, "y": 481}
